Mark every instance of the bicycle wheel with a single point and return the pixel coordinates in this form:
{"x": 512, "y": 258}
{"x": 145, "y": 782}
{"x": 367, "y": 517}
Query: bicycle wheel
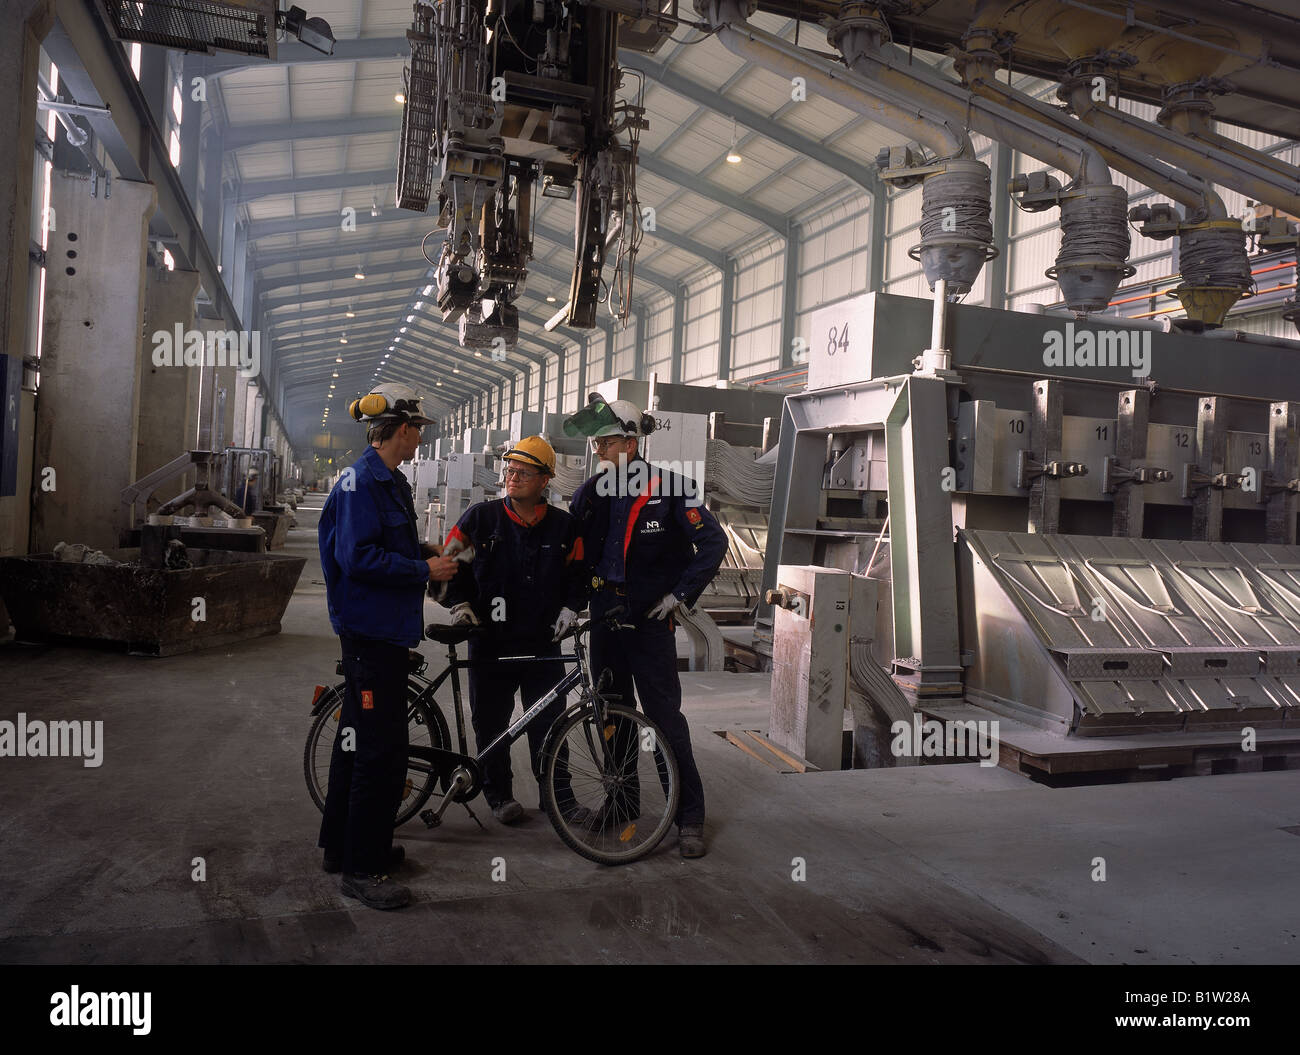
{"x": 611, "y": 793}
{"x": 425, "y": 726}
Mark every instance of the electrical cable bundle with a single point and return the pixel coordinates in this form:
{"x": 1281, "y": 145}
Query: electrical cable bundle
{"x": 1094, "y": 227}
{"x": 1214, "y": 256}
{"x": 733, "y": 474}
{"x": 568, "y": 478}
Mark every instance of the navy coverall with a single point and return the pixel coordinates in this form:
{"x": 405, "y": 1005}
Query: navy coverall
{"x": 521, "y": 576}
{"x": 642, "y": 547}
{"x": 374, "y": 585}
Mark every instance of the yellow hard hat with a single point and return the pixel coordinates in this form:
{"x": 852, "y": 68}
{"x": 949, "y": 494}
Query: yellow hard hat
{"x": 535, "y": 452}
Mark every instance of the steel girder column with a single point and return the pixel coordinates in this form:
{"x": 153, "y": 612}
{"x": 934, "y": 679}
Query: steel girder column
{"x": 584, "y": 343}
{"x": 561, "y": 357}
{"x": 995, "y": 271}
{"x": 212, "y": 155}
{"x": 921, "y": 550}
{"x": 23, "y": 24}
{"x": 879, "y": 217}
{"x": 229, "y": 215}
{"x": 726, "y": 324}
{"x": 191, "y": 130}
{"x": 638, "y": 345}
{"x": 679, "y": 333}
{"x": 607, "y": 328}
{"x": 154, "y": 64}
{"x": 790, "y": 294}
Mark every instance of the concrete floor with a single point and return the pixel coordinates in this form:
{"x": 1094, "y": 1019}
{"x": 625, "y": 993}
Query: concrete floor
{"x": 944, "y": 864}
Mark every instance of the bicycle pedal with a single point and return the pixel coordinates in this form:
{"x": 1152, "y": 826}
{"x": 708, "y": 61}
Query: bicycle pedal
{"x": 430, "y": 818}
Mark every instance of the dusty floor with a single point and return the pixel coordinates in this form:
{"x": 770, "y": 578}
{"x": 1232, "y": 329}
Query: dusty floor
{"x": 203, "y": 758}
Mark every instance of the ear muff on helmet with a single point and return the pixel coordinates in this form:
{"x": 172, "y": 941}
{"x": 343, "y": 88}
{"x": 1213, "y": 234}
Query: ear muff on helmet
{"x": 374, "y": 404}
{"x": 647, "y": 424}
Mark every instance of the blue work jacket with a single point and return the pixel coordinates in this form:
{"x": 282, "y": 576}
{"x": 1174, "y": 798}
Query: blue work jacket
{"x": 669, "y": 545}
{"x": 370, "y": 554}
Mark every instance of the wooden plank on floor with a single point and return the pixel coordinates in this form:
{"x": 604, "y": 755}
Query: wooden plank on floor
{"x": 732, "y": 738}
{"x": 795, "y": 763}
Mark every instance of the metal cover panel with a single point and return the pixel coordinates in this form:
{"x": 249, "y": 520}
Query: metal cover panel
{"x": 1109, "y": 664}
{"x": 1108, "y": 698}
{"x": 1211, "y": 662}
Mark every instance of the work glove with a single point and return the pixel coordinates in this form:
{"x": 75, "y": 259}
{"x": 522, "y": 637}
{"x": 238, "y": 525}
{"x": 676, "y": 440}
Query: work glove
{"x": 463, "y": 615}
{"x": 562, "y": 624}
{"x": 457, "y": 550}
{"x": 665, "y": 607}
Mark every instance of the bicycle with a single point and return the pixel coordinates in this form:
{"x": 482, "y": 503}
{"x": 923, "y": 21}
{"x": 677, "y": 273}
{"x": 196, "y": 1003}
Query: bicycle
{"x": 609, "y": 780}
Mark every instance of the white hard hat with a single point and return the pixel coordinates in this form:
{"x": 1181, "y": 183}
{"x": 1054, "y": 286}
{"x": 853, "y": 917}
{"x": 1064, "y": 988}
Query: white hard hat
{"x": 390, "y": 400}
{"x": 629, "y": 423}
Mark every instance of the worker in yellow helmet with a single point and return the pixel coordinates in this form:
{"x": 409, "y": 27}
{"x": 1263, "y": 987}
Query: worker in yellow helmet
{"x": 524, "y": 585}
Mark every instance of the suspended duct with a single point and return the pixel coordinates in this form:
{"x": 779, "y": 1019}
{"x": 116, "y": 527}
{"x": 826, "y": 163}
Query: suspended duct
{"x": 1094, "y": 236}
{"x": 956, "y": 232}
{"x": 1203, "y": 159}
{"x": 1217, "y": 270}
{"x": 1188, "y": 110}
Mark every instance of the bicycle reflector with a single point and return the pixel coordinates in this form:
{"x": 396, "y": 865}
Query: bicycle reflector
{"x": 596, "y": 415}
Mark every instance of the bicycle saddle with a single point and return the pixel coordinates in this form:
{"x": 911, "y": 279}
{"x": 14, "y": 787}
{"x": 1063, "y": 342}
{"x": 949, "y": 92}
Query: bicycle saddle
{"x": 448, "y": 635}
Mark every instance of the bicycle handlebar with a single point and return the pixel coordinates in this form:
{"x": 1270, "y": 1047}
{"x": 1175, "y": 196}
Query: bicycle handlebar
{"x": 610, "y": 618}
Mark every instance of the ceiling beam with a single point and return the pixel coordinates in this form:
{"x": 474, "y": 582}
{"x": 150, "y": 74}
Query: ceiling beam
{"x": 251, "y": 190}
{"x": 763, "y": 124}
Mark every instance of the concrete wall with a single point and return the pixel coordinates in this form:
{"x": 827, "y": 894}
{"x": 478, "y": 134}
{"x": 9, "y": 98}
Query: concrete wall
{"x": 23, "y": 24}
{"x": 86, "y": 434}
{"x": 165, "y": 390}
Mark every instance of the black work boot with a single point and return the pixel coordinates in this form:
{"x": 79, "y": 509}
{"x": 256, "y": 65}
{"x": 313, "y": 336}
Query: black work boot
{"x": 375, "y": 891}
{"x": 690, "y": 840}
{"x": 333, "y": 865}
{"x": 508, "y": 811}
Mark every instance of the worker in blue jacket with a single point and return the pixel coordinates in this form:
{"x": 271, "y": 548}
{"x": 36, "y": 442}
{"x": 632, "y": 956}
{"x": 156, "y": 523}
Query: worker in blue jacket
{"x": 523, "y": 584}
{"x": 376, "y": 571}
{"x": 653, "y": 547}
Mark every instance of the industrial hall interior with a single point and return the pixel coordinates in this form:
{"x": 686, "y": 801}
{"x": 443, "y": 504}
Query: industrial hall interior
{"x": 649, "y": 481}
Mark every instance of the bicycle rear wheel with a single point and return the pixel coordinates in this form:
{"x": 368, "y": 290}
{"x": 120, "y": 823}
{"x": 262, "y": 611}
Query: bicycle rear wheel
{"x": 426, "y": 727}
{"x": 611, "y": 793}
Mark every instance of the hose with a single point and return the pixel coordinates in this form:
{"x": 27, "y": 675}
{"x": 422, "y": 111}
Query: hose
{"x": 733, "y": 474}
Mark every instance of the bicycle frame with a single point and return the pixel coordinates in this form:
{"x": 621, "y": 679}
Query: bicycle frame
{"x": 451, "y": 767}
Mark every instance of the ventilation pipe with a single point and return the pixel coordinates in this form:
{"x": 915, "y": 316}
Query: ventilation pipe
{"x": 1188, "y": 110}
{"x": 1212, "y": 246}
{"x": 1094, "y": 237}
{"x": 956, "y": 233}
{"x": 1210, "y": 162}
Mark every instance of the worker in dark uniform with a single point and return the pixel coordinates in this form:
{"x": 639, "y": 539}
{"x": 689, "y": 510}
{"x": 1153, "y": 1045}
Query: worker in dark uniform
{"x": 524, "y": 585}
{"x": 249, "y": 494}
{"x": 376, "y": 572}
{"x": 653, "y": 548}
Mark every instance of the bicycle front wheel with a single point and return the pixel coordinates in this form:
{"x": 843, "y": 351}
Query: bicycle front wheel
{"x": 611, "y": 788}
